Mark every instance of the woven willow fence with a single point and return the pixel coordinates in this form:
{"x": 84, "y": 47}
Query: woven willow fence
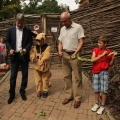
{"x": 30, "y": 21}
{"x": 102, "y": 17}
{"x": 98, "y": 18}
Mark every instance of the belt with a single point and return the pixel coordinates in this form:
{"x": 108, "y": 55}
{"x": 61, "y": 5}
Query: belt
{"x": 69, "y": 52}
{"x": 17, "y": 52}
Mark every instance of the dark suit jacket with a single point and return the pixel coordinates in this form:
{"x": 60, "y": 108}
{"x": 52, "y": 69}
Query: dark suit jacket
{"x": 26, "y": 42}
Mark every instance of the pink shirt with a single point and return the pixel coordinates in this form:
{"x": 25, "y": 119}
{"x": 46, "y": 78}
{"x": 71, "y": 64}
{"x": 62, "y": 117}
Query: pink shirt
{"x": 2, "y": 48}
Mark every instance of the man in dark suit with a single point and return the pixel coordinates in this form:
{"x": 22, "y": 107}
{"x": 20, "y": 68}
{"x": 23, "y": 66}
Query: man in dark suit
{"x": 19, "y": 42}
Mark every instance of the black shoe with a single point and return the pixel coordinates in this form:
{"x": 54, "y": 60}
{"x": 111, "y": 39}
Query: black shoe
{"x": 23, "y": 97}
{"x": 44, "y": 95}
{"x": 10, "y": 100}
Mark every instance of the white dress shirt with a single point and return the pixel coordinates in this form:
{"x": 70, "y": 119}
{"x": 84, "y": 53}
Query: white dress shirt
{"x": 19, "y": 33}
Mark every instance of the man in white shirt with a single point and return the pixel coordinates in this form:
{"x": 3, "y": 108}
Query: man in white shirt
{"x": 70, "y": 44}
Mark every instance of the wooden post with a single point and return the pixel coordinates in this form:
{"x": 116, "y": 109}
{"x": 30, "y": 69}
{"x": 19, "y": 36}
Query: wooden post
{"x": 67, "y": 8}
{"x": 42, "y": 23}
{"x": 45, "y": 24}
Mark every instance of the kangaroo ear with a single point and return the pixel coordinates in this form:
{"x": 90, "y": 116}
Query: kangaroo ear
{"x": 43, "y": 34}
{"x": 40, "y": 36}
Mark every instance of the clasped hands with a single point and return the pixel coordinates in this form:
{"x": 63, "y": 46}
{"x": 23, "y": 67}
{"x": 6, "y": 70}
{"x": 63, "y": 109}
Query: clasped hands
{"x": 106, "y": 53}
{"x": 34, "y": 60}
{"x": 12, "y": 51}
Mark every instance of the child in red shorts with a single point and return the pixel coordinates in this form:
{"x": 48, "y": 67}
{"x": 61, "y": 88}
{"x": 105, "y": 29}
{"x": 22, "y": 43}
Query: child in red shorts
{"x": 102, "y": 59}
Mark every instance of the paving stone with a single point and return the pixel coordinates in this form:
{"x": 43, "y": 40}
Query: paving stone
{"x": 28, "y": 115}
{"x": 68, "y": 118}
{"x": 49, "y": 103}
{"x": 15, "y": 107}
{"x": 45, "y": 107}
{"x": 52, "y": 118}
{"x": 20, "y": 110}
{"x": 85, "y": 112}
{"x": 62, "y": 113}
{"x": 55, "y": 113}
{"x": 31, "y": 108}
{"x": 82, "y": 116}
{"x": 71, "y": 115}
{"x": 4, "y": 118}
{"x": 52, "y": 106}
{"x": 57, "y": 100}
{"x": 60, "y": 118}
{"x": 7, "y": 113}
{"x": 17, "y": 114}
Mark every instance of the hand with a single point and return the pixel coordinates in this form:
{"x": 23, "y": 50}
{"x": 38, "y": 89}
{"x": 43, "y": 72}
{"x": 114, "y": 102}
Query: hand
{"x": 12, "y": 52}
{"x": 73, "y": 56}
{"x": 115, "y": 53}
{"x": 35, "y": 32}
{"x": 60, "y": 53}
{"x": 41, "y": 62}
{"x": 32, "y": 60}
{"x": 24, "y": 51}
{"x": 104, "y": 53}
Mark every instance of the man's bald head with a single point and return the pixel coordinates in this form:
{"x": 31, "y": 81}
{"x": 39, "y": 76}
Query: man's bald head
{"x": 66, "y": 19}
{"x": 65, "y": 15}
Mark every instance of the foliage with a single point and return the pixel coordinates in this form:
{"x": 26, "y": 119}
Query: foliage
{"x": 31, "y": 8}
{"x": 47, "y": 6}
{"x": 9, "y": 11}
{"x": 8, "y": 8}
{"x": 77, "y": 1}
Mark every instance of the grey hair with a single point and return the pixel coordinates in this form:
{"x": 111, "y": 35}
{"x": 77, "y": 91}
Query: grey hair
{"x": 20, "y": 16}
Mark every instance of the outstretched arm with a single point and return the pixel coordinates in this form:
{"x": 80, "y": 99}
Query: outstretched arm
{"x": 94, "y": 58}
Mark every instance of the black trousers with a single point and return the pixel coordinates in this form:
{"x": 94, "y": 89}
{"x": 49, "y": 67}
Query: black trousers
{"x": 14, "y": 70}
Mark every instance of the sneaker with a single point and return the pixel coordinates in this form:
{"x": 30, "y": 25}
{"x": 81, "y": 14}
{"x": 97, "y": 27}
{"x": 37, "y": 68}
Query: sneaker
{"x": 39, "y": 94}
{"x": 44, "y": 95}
{"x": 95, "y": 107}
{"x": 100, "y": 110}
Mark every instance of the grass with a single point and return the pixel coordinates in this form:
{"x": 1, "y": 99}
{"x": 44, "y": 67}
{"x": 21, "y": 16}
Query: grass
{"x": 1, "y": 77}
